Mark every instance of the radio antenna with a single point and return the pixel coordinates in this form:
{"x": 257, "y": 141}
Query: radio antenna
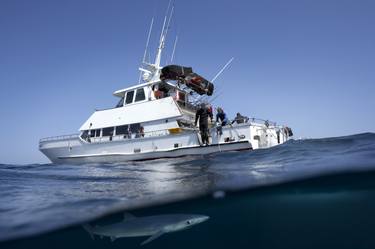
{"x": 146, "y": 48}
{"x": 174, "y": 48}
{"x": 222, "y": 70}
{"x": 162, "y": 38}
{"x": 205, "y": 98}
{"x": 148, "y": 40}
{"x": 153, "y": 69}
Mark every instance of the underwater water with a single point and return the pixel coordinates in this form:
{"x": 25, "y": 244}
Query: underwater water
{"x": 303, "y": 194}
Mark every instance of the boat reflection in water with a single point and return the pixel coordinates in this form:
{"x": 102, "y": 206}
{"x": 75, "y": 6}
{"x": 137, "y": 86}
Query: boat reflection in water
{"x": 153, "y": 226}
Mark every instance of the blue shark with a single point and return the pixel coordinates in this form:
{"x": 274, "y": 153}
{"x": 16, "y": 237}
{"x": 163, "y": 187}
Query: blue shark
{"x": 153, "y": 226}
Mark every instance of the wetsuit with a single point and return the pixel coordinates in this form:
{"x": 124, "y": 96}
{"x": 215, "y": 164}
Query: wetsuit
{"x": 240, "y": 119}
{"x": 222, "y": 117}
{"x": 202, "y": 114}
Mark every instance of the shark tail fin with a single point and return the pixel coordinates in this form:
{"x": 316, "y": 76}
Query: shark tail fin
{"x": 88, "y": 229}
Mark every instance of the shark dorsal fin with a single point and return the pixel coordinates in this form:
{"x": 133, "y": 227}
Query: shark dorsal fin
{"x": 155, "y": 236}
{"x": 128, "y": 216}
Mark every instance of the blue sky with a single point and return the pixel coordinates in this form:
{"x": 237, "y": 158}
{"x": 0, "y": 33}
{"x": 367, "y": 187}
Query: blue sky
{"x": 307, "y": 64}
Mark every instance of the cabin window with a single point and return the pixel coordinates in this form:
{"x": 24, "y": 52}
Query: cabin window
{"x": 120, "y": 103}
{"x": 95, "y": 133}
{"x": 134, "y": 128}
{"x": 85, "y": 134}
{"x": 140, "y": 95}
{"x": 122, "y": 130}
{"x": 108, "y": 131}
{"x": 129, "y": 97}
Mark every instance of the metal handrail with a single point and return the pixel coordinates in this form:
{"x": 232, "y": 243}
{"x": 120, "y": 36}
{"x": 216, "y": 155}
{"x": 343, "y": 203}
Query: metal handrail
{"x": 58, "y": 138}
{"x": 136, "y": 135}
{"x": 262, "y": 121}
{"x": 106, "y": 138}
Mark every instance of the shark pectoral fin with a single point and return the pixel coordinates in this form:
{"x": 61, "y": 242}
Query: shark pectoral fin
{"x": 88, "y": 229}
{"x": 128, "y": 216}
{"x": 155, "y": 236}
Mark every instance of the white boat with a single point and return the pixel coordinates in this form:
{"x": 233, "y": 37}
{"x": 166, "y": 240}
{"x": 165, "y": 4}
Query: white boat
{"x": 155, "y": 119}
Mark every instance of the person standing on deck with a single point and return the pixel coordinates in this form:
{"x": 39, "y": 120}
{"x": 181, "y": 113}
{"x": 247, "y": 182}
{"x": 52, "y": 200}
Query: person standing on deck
{"x": 239, "y": 119}
{"x": 221, "y": 117}
{"x": 202, "y": 114}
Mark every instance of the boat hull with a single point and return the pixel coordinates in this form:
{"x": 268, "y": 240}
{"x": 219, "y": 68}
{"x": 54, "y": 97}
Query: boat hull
{"x": 117, "y": 149}
{"x": 173, "y": 153}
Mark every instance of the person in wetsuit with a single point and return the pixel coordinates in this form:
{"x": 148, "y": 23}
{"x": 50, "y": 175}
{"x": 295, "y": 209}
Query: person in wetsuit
{"x": 202, "y": 114}
{"x": 221, "y": 117}
{"x": 239, "y": 119}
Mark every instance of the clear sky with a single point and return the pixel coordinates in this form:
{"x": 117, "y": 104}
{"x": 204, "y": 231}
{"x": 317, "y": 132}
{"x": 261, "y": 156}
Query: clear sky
{"x": 305, "y": 63}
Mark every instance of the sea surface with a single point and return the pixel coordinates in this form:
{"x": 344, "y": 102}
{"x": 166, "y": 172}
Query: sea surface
{"x": 310, "y": 193}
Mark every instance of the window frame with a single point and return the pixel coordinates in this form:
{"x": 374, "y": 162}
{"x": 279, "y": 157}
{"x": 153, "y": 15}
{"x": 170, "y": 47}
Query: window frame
{"x": 136, "y": 95}
{"x": 126, "y": 97}
{"x": 95, "y": 133}
{"x": 134, "y": 128}
{"x": 121, "y": 102}
{"x": 126, "y": 130}
{"x": 109, "y": 129}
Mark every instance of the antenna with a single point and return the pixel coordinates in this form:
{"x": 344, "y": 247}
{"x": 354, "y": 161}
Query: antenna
{"x": 153, "y": 70}
{"x": 146, "y": 48}
{"x": 163, "y": 35}
{"x": 174, "y": 48}
{"x": 148, "y": 40}
{"x": 205, "y": 98}
{"x": 169, "y": 20}
{"x": 222, "y": 70}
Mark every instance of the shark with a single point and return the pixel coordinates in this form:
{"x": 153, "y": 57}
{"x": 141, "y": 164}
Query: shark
{"x": 153, "y": 226}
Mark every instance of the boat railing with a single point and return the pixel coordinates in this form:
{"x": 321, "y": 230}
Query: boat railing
{"x": 138, "y": 135}
{"x": 262, "y": 121}
{"x": 59, "y": 138}
{"x": 89, "y": 139}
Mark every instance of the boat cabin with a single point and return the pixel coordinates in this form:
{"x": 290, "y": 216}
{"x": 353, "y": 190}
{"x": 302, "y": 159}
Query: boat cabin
{"x": 144, "y": 110}
{"x": 150, "y": 91}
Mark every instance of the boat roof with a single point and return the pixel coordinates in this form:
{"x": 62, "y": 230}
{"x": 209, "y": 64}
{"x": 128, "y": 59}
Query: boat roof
{"x": 120, "y": 93}
{"x": 148, "y": 111}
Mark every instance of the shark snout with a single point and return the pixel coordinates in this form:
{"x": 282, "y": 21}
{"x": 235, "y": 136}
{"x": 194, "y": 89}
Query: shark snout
{"x": 201, "y": 219}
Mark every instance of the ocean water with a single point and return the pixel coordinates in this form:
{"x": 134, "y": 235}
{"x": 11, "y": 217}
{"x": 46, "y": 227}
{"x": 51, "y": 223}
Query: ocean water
{"x": 312, "y": 193}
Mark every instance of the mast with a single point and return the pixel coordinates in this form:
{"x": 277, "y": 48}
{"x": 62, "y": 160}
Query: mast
{"x": 152, "y": 71}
